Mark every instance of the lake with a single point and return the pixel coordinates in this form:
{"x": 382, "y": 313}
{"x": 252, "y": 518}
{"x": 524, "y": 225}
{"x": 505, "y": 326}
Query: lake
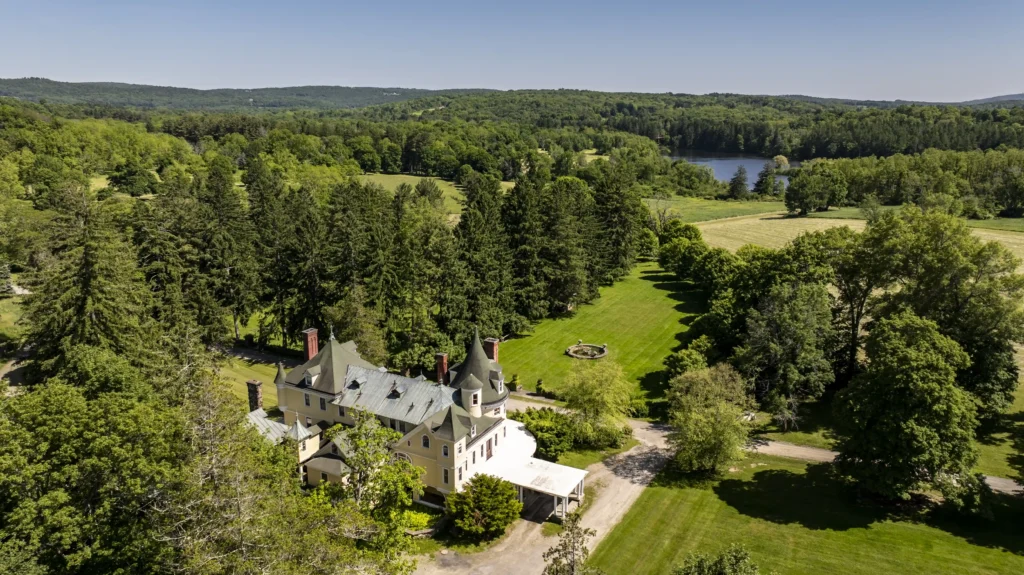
{"x": 725, "y": 165}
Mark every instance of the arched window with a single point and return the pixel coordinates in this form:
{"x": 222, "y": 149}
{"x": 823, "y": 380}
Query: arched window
{"x": 403, "y": 457}
{"x": 444, "y": 450}
{"x": 425, "y": 441}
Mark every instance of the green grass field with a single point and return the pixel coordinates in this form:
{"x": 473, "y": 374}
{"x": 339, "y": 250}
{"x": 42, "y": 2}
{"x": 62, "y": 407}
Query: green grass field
{"x": 852, "y": 213}
{"x": 237, "y": 371}
{"x": 452, "y": 194}
{"x": 591, "y": 155}
{"x": 642, "y": 318}
{"x": 584, "y": 458}
{"x": 701, "y": 210}
{"x": 10, "y": 313}
{"x": 795, "y": 520}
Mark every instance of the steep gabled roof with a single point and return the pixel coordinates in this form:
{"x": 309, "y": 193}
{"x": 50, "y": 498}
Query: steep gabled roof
{"x": 329, "y": 366}
{"x": 454, "y": 423}
{"x": 478, "y": 371}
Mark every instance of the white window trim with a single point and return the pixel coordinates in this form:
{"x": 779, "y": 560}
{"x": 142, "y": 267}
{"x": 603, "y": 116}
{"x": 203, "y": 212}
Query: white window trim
{"x": 323, "y": 404}
{"x": 425, "y": 442}
{"x": 444, "y": 476}
{"x": 305, "y": 397}
{"x": 444, "y": 450}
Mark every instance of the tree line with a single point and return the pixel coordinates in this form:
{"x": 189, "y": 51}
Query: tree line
{"x": 786, "y": 326}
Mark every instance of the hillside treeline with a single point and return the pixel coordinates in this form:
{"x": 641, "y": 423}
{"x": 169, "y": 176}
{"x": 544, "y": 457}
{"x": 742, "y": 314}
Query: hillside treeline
{"x": 761, "y": 125}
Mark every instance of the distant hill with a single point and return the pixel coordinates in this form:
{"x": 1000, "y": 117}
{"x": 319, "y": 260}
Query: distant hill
{"x": 142, "y": 96}
{"x": 1017, "y": 99}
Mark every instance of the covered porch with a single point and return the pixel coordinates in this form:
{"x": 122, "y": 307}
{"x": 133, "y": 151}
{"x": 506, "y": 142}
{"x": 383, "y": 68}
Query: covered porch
{"x": 538, "y": 481}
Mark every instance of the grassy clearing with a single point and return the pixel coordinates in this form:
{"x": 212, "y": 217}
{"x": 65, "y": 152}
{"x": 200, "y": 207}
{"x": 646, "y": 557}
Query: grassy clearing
{"x": 774, "y": 230}
{"x": 584, "y": 458}
{"x": 591, "y": 155}
{"x": 642, "y": 318}
{"x": 238, "y": 371}
{"x": 794, "y": 519}
{"x": 999, "y": 224}
{"x": 815, "y": 427}
{"x": 98, "y": 182}
{"x": 10, "y": 329}
{"x": 452, "y": 194}
{"x": 701, "y": 210}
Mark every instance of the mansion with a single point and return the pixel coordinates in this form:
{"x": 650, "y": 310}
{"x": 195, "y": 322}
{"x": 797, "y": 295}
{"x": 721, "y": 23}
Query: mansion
{"x": 452, "y": 428}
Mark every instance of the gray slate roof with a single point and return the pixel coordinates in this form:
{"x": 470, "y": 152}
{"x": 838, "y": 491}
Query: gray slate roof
{"x": 272, "y": 429}
{"x": 412, "y": 400}
{"x": 330, "y": 366}
{"x": 479, "y": 367}
{"x": 455, "y": 423}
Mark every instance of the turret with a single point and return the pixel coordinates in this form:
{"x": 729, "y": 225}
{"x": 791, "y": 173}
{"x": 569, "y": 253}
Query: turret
{"x": 472, "y": 396}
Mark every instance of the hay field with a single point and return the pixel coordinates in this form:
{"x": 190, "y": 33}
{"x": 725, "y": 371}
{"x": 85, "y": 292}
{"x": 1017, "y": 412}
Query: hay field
{"x": 775, "y": 230}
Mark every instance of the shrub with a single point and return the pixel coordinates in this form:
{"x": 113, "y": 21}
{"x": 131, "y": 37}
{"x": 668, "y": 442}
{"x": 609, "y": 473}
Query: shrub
{"x": 683, "y": 361}
{"x": 485, "y": 506}
{"x": 416, "y": 520}
{"x": 733, "y": 561}
{"x": 553, "y": 430}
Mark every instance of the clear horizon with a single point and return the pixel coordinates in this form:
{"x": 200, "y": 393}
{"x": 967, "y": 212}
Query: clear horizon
{"x": 939, "y": 51}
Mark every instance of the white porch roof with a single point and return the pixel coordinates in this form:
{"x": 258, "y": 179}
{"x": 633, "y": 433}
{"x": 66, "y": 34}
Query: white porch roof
{"x": 515, "y": 464}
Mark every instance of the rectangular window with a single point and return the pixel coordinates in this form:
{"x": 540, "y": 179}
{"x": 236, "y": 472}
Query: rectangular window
{"x": 309, "y": 421}
{"x": 401, "y": 426}
{"x": 305, "y": 396}
{"x": 474, "y": 458}
{"x": 323, "y": 404}
{"x": 323, "y": 476}
{"x": 481, "y": 450}
{"x": 476, "y": 399}
{"x": 460, "y": 474}
{"x": 302, "y": 445}
{"x": 341, "y": 411}
{"x": 334, "y": 449}
{"x": 445, "y": 473}
{"x": 458, "y": 449}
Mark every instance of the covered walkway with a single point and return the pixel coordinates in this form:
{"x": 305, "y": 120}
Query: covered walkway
{"x": 517, "y": 465}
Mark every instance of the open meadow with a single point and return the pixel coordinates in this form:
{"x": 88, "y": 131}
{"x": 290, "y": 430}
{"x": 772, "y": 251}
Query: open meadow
{"x": 692, "y": 210}
{"x": 642, "y": 318}
{"x": 794, "y": 519}
{"x": 452, "y": 195}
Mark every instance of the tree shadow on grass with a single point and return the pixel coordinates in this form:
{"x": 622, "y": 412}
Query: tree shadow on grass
{"x": 813, "y": 499}
{"x": 817, "y": 500}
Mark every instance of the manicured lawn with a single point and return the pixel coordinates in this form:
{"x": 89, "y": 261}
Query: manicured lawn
{"x": 452, "y": 194}
{"x": 10, "y": 313}
{"x": 795, "y": 520}
{"x": 642, "y": 318}
{"x": 237, "y": 371}
{"x": 701, "y": 210}
{"x": 813, "y": 429}
{"x": 584, "y": 458}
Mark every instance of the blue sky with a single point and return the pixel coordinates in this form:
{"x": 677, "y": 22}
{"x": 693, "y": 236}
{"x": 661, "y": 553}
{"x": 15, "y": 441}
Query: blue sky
{"x": 938, "y": 50}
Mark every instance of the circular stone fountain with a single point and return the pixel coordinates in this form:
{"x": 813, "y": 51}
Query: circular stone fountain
{"x": 587, "y": 350}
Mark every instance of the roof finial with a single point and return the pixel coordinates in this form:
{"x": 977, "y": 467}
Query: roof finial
{"x": 332, "y": 331}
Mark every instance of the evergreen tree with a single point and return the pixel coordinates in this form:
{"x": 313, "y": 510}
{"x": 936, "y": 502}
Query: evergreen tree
{"x": 92, "y": 295}
{"x": 523, "y": 217}
{"x": 483, "y": 247}
{"x": 620, "y": 215}
{"x": 6, "y": 286}
{"x": 308, "y": 267}
{"x": 228, "y": 252}
{"x": 569, "y": 242}
{"x": 767, "y": 184}
{"x": 738, "y": 187}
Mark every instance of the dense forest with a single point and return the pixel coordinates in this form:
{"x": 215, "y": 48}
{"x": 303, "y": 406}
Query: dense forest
{"x": 142, "y": 96}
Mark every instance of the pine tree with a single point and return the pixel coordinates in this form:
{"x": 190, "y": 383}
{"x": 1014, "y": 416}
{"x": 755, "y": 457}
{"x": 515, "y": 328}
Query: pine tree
{"x": 522, "y": 215}
{"x": 6, "y": 286}
{"x": 484, "y": 248}
{"x": 93, "y": 295}
{"x": 767, "y": 184}
{"x": 568, "y": 209}
{"x": 306, "y": 255}
{"x": 569, "y": 555}
{"x": 738, "y": 188}
{"x": 228, "y": 251}
{"x": 620, "y": 214}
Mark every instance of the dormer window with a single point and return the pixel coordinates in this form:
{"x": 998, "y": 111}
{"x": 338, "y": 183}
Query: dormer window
{"x": 501, "y": 386}
{"x": 472, "y": 431}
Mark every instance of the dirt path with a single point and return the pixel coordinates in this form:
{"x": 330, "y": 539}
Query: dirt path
{"x": 619, "y": 480}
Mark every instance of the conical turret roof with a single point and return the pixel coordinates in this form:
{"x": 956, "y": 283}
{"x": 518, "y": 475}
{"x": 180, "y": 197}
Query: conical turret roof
{"x": 476, "y": 366}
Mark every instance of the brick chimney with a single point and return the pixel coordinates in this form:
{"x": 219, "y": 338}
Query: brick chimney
{"x": 255, "y": 394}
{"x": 491, "y": 348}
{"x": 441, "y": 360}
{"x": 311, "y": 344}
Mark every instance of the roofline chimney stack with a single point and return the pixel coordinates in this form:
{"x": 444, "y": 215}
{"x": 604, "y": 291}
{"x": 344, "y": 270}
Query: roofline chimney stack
{"x": 311, "y": 345}
{"x": 441, "y": 360}
{"x": 491, "y": 348}
{"x": 255, "y": 388}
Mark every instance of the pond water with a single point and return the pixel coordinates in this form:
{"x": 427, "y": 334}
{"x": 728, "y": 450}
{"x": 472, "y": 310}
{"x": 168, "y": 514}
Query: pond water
{"x": 725, "y": 165}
